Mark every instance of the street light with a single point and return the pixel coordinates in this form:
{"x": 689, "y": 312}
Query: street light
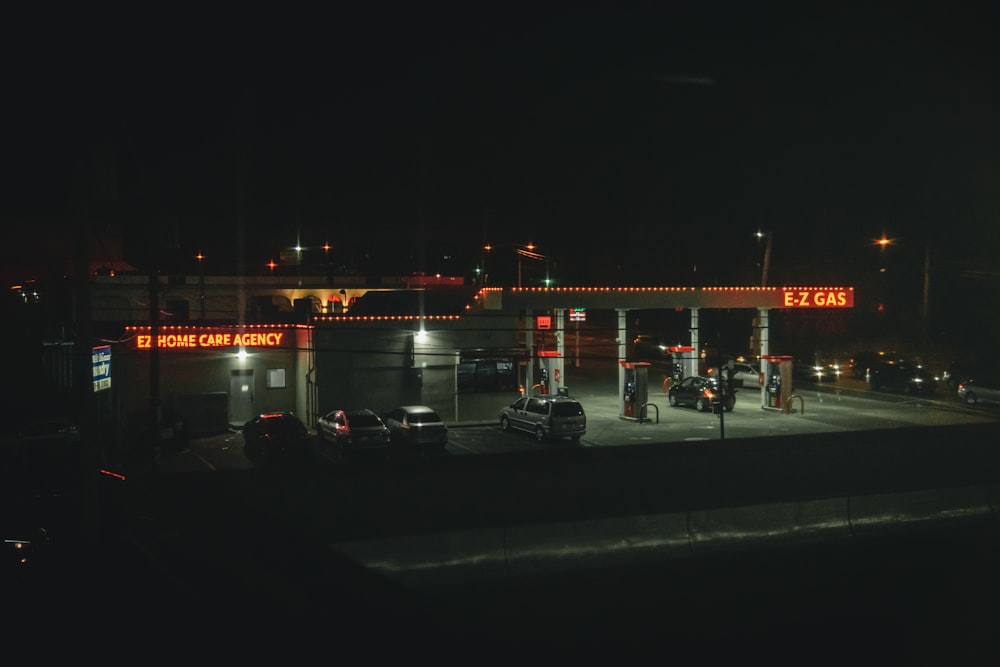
{"x": 884, "y": 242}
{"x": 201, "y": 283}
{"x": 529, "y": 252}
{"x": 767, "y": 255}
{"x": 519, "y": 250}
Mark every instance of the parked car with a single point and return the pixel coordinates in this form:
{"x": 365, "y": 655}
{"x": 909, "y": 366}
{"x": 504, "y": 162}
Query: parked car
{"x": 901, "y": 376}
{"x": 353, "y": 430}
{"x": 743, "y": 374}
{"x": 274, "y": 436}
{"x": 546, "y": 417}
{"x": 980, "y": 388}
{"x": 45, "y": 479}
{"x": 416, "y": 428}
{"x": 700, "y": 391}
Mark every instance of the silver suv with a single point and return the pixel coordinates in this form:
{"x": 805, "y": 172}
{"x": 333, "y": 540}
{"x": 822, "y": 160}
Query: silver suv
{"x": 545, "y": 417}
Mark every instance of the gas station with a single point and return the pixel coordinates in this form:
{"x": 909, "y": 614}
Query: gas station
{"x": 775, "y": 381}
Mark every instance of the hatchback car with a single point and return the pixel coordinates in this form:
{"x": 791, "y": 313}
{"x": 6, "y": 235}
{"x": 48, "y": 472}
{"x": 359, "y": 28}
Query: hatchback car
{"x": 416, "y": 428}
{"x": 700, "y": 392}
{"x": 353, "y": 430}
{"x": 901, "y": 376}
{"x": 976, "y": 389}
{"x": 545, "y": 417}
{"x": 275, "y": 435}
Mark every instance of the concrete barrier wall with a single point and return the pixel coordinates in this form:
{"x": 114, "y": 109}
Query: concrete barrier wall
{"x": 531, "y": 549}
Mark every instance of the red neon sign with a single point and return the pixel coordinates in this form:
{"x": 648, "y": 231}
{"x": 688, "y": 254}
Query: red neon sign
{"x": 211, "y": 340}
{"x": 817, "y": 297}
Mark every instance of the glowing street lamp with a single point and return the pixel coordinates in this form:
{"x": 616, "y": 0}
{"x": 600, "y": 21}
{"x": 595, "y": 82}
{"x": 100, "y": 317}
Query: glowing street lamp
{"x": 527, "y": 250}
{"x": 201, "y": 283}
{"x": 884, "y": 242}
{"x": 767, "y": 254}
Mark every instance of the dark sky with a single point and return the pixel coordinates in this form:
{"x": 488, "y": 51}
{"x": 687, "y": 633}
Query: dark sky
{"x": 628, "y": 143}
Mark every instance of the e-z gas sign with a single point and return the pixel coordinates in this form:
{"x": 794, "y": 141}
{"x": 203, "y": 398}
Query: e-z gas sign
{"x": 810, "y": 297}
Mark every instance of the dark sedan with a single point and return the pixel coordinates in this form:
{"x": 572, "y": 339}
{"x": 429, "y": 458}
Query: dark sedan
{"x": 700, "y": 392}
{"x": 902, "y": 377}
{"x": 274, "y": 436}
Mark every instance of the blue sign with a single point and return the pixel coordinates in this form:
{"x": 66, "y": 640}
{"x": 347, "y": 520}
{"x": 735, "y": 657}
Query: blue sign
{"x": 100, "y": 359}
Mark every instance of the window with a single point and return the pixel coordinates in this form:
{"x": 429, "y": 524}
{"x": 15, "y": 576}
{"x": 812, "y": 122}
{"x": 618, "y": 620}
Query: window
{"x": 275, "y": 378}
{"x": 486, "y": 375}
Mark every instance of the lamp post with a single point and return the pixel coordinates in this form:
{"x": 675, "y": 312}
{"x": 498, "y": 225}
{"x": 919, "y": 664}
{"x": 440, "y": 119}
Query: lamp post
{"x": 201, "y": 284}
{"x": 529, "y": 252}
{"x": 520, "y": 251}
{"x": 883, "y": 242}
{"x": 767, "y": 255}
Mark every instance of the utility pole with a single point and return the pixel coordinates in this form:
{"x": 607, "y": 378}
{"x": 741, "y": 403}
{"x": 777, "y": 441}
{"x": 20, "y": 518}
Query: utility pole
{"x": 767, "y": 256}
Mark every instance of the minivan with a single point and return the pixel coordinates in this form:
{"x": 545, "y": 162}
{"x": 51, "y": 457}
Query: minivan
{"x": 545, "y": 417}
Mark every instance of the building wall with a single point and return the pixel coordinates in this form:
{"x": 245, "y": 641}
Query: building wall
{"x": 381, "y": 364}
{"x": 185, "y": 373}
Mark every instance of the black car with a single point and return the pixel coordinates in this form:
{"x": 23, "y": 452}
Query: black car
{"x": 701, "y": 392}
{"x": 275, "y": 436}
{"x": 901, "y": 376}
{"x": 862, "y": 362}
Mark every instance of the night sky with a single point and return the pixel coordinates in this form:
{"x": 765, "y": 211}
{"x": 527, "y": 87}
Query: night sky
{"x": 630, "y": 145}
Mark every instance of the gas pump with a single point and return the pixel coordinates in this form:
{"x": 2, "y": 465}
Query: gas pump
{"x": 777, "y": 371}
{"x": 635, "y": 391}
{"x": 544, "y": 380}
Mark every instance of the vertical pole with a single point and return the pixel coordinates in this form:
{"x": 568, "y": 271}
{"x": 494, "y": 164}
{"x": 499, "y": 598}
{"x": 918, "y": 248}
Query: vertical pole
{"x": 622, "y": 351}
{"x": 765, "y": 350}
{"x": 767, "y": 259}
{"x": 927, "y": 288}
{"x": 578, "y": 343}
{"x": 154, "y": 362}
{"x": 692, "y": 364}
